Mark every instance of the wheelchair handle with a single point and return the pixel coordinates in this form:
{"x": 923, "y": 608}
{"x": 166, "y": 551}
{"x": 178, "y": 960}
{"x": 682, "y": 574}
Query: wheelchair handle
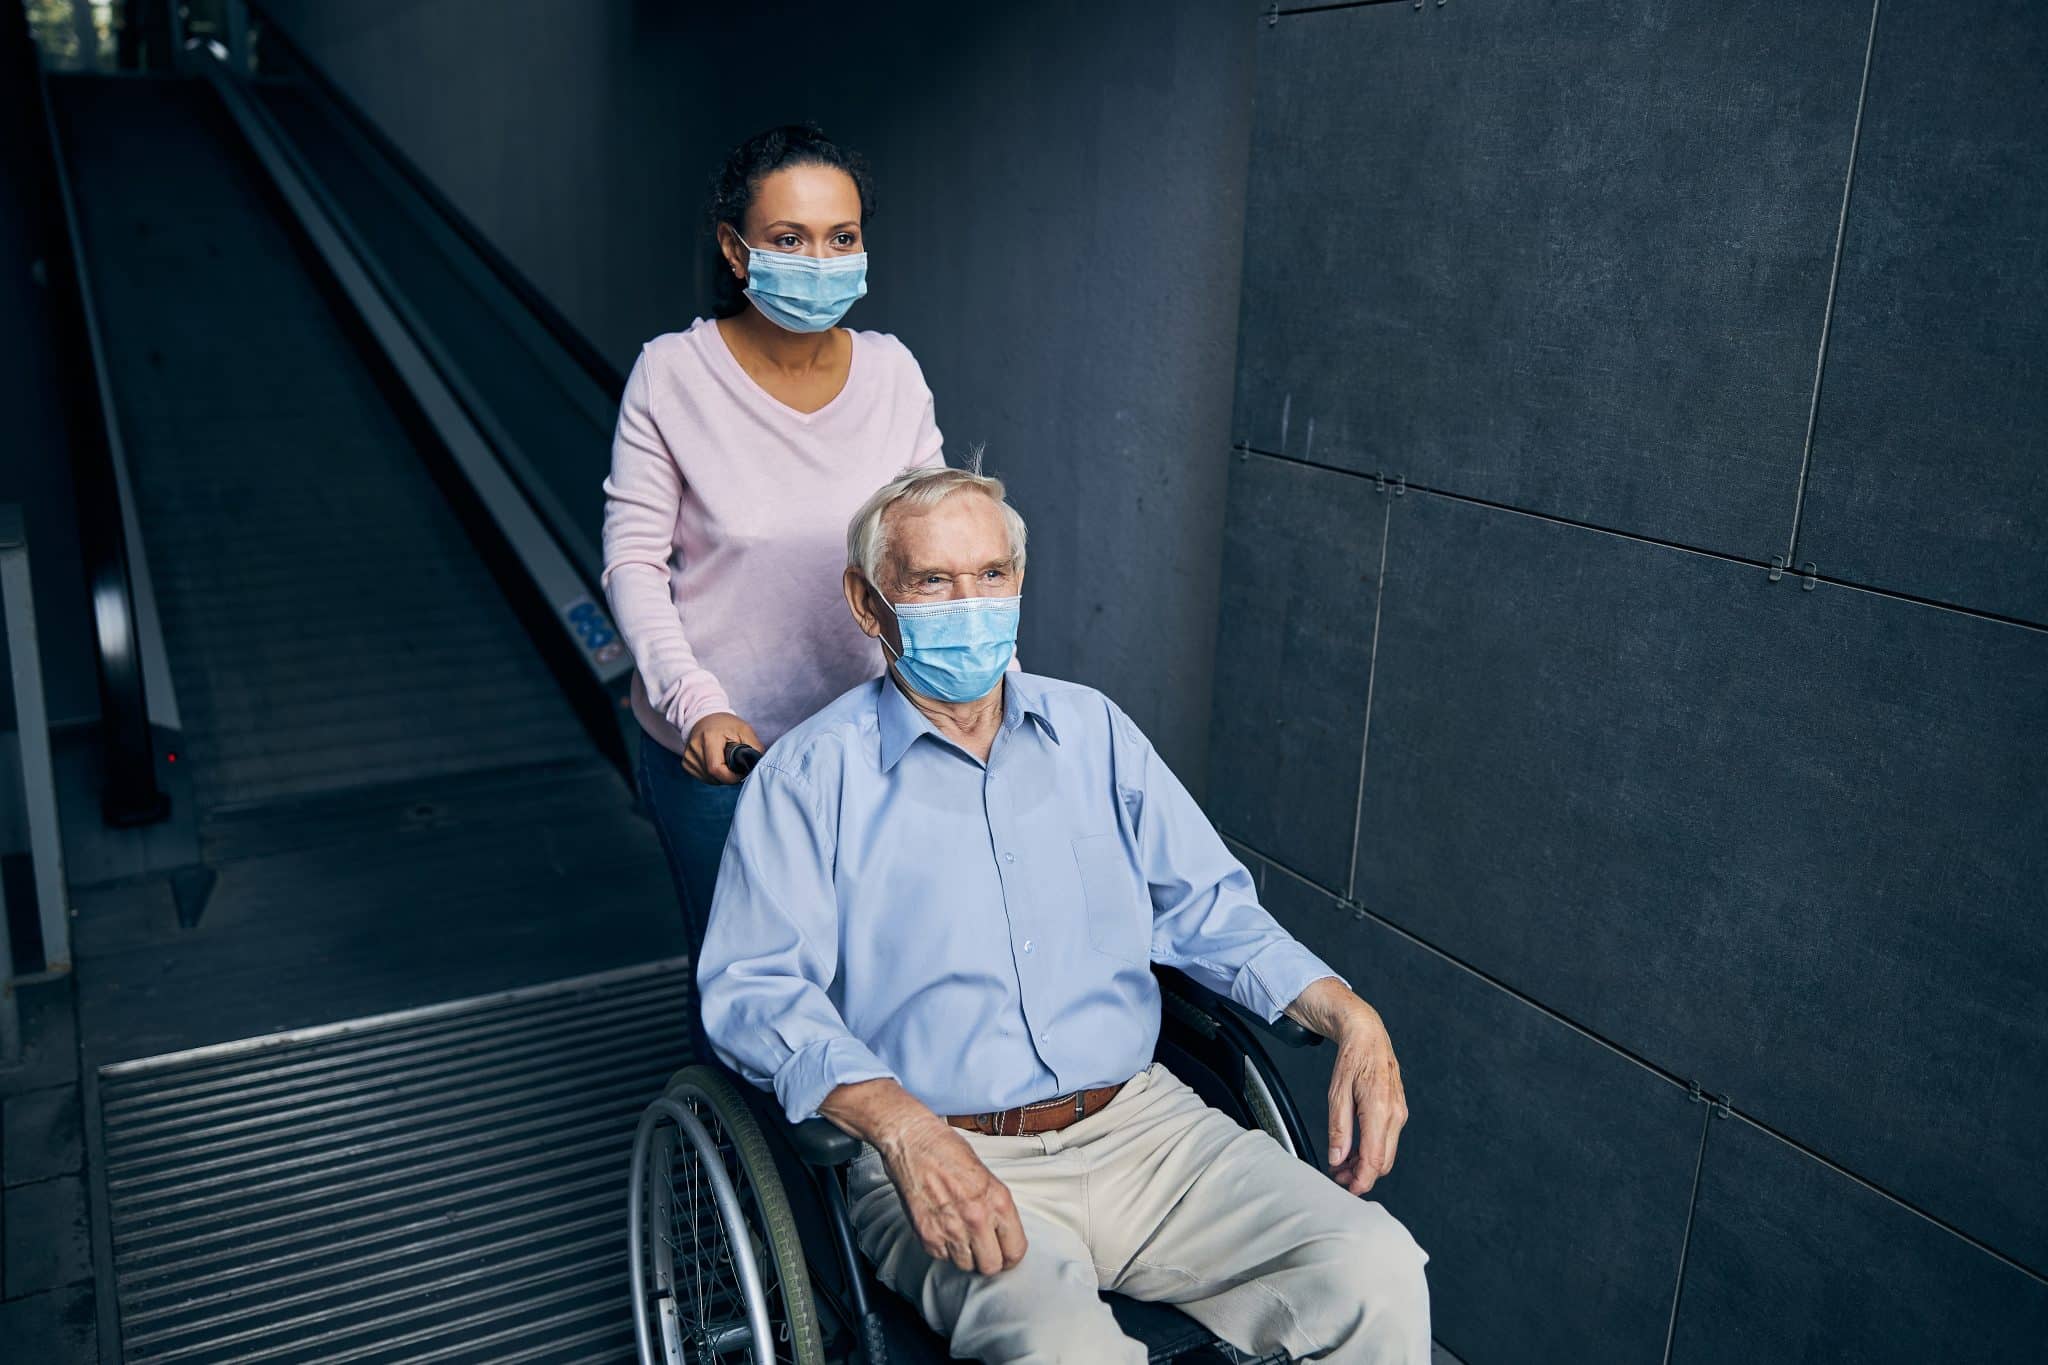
{"x": 741, "y": 758}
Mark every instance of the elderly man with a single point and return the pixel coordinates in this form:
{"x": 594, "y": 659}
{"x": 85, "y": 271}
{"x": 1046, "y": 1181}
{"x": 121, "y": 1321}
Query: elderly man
{"x": 934, "y": 925}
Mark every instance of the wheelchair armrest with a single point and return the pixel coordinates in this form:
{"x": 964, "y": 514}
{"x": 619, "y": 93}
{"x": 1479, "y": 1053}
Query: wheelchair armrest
{"x": 1283, "y": 1030}
{"x": 819, "y": 1143}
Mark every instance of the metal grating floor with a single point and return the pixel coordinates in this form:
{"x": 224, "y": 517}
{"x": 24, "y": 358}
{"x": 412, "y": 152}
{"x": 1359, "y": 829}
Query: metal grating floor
{"x": 441, "y": 1184}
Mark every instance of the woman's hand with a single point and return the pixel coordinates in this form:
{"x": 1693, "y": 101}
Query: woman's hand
{"x": 704, "y": 755}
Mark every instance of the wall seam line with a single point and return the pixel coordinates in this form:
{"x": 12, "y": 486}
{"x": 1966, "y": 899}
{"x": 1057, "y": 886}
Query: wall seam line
{"x": 1721, "y": 556}
{"x": 1372, "y": 670}
{"x": 1662, "y": 1074}
{"x": 1685, "y": 1243}
{"x": 1668, "y": 1077}
{"x": 1827, "y": 316}
{"x": 1285, "y": 10}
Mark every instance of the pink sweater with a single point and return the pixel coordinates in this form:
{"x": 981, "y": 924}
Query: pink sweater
{"x": 725, "y": 528}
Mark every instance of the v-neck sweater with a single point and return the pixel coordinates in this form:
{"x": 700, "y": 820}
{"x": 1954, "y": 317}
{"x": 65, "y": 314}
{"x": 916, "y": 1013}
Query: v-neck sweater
{"x": 725, "y": 528}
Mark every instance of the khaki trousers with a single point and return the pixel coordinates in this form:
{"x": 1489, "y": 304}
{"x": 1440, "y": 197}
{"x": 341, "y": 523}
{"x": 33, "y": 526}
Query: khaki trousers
{"x": 1158, "y": 1196}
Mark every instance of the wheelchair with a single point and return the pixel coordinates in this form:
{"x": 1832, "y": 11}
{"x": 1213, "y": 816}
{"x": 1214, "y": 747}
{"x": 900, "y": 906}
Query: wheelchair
{"x": 726, "y": 1195}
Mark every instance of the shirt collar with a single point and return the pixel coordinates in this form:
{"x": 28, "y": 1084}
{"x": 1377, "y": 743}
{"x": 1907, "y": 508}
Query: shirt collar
{"x": 898, "y": 723}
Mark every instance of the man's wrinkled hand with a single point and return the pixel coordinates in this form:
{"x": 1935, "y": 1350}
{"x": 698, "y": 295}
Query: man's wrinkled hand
{"x": 1368, "y": 1106}
{"x": 962, "y": 1213}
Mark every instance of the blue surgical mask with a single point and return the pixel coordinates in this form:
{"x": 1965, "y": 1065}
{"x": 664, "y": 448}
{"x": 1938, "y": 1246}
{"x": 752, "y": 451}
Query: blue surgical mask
{"x": 804, "y": 293}
{"x": 956, "y": 650}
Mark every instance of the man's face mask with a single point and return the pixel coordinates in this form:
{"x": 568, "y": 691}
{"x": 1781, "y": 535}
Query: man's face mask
{"x": 956, "y": 650}
{"x": 804, "y": 293}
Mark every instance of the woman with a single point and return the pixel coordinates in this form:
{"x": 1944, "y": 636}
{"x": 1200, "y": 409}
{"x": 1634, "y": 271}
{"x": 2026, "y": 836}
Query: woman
{"x": 744, "y": 445}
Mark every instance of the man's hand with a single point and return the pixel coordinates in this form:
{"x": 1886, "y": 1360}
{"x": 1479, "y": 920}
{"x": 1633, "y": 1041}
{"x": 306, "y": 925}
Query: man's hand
{"x": 962, "y": 1213}
{"x": 704, "y": 755}
{"x": 1367, "y": 1104}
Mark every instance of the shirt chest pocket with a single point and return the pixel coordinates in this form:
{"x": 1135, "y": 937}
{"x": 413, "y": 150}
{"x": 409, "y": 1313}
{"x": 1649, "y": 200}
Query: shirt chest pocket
{"x": 1119, "y": 921}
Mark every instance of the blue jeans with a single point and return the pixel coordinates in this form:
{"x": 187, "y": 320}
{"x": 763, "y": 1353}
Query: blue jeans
{"x": 692, "y": 819}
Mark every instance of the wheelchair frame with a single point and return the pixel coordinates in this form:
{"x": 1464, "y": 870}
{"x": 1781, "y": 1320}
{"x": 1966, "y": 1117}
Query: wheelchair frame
{"x": 1213, "y": 1036}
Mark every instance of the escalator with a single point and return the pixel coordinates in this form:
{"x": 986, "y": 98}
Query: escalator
{"x": 328, "y": 621}
{"x": 366, "y": 1097}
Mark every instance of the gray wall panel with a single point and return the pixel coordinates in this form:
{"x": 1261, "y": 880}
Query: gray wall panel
{"x": 1546, "y": 1176}
{"x": 1301, "y": 564}
{"x": 1928, "y": 472}
{"x": 1792, "y": 844}
{"x": 1571, "y": 258}
{"x": 1792, "y": 1261}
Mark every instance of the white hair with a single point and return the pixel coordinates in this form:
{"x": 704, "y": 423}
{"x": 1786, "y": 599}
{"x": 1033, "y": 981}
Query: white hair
{"x": 867, "y": 541}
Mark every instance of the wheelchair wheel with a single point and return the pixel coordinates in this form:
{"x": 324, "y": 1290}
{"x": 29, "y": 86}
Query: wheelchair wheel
{"x": 717, "y": 1268}
{"x": 1264, "y": 1106}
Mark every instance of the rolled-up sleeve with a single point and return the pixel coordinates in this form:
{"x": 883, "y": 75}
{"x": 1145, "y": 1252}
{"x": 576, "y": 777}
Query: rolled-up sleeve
{"x": 1206, "y": 916}
{"x": 771, "y": 952}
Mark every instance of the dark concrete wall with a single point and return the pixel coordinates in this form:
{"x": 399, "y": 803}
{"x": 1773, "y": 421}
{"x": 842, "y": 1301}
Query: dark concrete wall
{"x": 1556, "y": 339}
{"x": 1059, "y": 241}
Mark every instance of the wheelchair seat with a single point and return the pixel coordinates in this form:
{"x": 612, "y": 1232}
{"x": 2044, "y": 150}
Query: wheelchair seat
{"x": 731, "y": 1206}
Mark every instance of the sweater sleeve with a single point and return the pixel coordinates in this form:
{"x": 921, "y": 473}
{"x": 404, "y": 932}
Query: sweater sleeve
{"x": 641, "y": 498}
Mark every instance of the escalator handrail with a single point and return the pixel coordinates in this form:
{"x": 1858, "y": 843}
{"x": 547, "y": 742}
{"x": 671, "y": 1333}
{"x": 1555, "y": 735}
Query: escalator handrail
{"x": 130, "y": 794}
{"x": 579, "y": 348}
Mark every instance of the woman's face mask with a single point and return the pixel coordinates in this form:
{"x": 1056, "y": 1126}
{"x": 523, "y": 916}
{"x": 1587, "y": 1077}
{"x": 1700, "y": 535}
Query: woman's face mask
{"x": 801, "y": 293}
{"x": 955, "y": 650}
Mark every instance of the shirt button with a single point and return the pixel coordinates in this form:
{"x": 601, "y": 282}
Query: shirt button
{"x": 1027, "y": 945}
{"x": 1045, "y": 1037}
{"x": 1009, "y": 857}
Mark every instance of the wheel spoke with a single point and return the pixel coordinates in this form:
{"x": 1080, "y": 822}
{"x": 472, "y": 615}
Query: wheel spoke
{"x": 696, "y": 1271}
{"x": 708, "y": 1293}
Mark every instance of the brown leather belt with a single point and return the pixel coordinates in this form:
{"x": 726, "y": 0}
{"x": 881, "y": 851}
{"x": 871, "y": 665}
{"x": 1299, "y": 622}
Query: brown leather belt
{"x": 1046, "y": 1116}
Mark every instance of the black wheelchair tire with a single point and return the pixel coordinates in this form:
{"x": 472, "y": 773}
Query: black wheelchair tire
{"x": 766, "y": 1202}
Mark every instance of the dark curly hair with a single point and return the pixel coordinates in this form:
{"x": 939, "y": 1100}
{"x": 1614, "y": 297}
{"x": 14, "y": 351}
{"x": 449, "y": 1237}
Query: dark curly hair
{"x": 746, "y": 166}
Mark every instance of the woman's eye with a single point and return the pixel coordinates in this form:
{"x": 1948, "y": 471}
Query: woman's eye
{"x": 845, "y": 239}
{"x": 787, "y": 242}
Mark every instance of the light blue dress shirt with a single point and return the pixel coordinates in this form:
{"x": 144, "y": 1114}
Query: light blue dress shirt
{"x": 890, "y": 906}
